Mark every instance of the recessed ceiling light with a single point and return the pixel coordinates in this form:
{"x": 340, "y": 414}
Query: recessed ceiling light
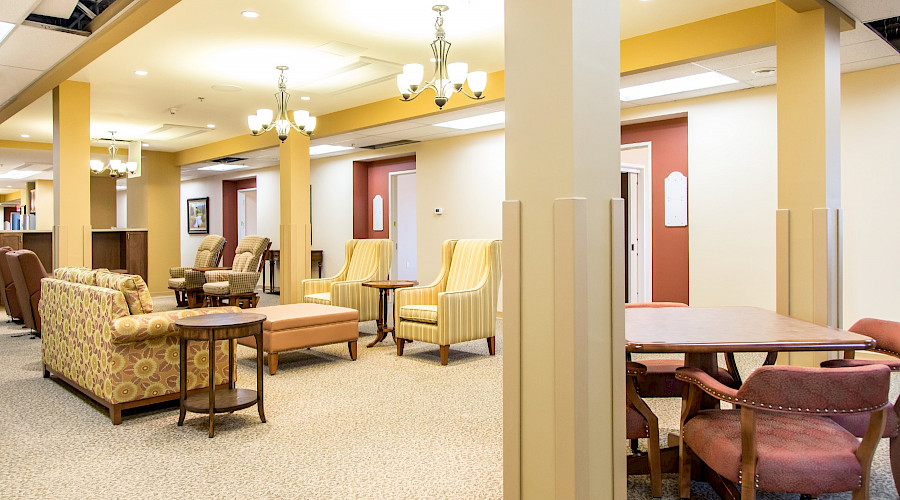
{"x": 304, "y": 98}
{"x": 323, "y": 149}
{"x": 9, "y": 186}
{"x": 475, "y": 121}
{"x": 5, "y": 28}
{"x": 17, "y": 174}
{"x": 675, "y": 86}
{"x": 210, "y": 125}
{"x": 121, "y": 188}
{"x": 145, "y": 145}
{"x": 140, "y": 72}
{"x": 222, "y": 167}
{"x": 250, "y": 14}
{"x": 26, "y": 136}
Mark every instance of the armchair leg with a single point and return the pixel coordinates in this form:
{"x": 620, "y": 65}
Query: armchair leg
{"x": 400, "y": 343}
{"x": 492, "y": 345}
{"x": 445, "y": 354}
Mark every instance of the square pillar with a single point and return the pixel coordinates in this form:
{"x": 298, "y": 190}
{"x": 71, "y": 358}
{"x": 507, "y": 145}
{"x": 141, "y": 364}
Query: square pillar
{"x": 71, "y": 174}
{"x": 564, "y": 374}
{"x": 809, "y": 164}
{"x": 295, "y": 216}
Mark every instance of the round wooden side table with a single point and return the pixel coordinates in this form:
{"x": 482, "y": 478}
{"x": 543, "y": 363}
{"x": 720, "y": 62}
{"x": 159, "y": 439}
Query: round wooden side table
{"x": 210, "y": 328}
{"x": 384, "y": 288}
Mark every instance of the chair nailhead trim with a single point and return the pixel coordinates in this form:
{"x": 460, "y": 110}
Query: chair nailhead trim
{"x": 732, "y": 399}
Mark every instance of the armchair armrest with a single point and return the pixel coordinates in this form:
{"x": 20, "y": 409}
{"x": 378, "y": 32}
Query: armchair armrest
{"x": 417, "y": 295}
{"x": 214, "y": 276}
{"x": 893, "y": 364}
{"x": 140, "y": 327}
{"x": 242, "y": 282}
{"x": 206, "y": 269}
{"x": 465, "y": 315}
{"x": 706, "y": 383}
{"x": 316, "y": 285}
{"x": 177, "y": 272}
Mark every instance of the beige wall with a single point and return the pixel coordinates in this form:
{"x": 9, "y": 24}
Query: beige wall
{"x": 870, "y": 178}
{"x": 43, "y": 208}
{"x": 103, "y": 202}
{"x": 732, "y": 194}
{"x": 463, "y": 175}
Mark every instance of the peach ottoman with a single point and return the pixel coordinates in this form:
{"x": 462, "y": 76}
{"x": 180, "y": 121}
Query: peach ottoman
{"x": 297, "y": 326}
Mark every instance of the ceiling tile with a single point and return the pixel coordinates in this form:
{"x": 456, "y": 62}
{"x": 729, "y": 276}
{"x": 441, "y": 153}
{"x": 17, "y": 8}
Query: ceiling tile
{"x": 36, "y": 48}
{"x": 865, "y": 51}
{"x": 56, "y": 8}
{"x": 757, "y": 56}
{"x": 862, "y": 33}
{"x": 13, "y": 80}
{"x": 15, "y": 11}
{"x": 870, "y": 10}
{"x": 870, "y": 63}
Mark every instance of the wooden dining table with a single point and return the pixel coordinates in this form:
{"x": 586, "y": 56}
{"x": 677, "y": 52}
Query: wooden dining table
{"x": 700, "y": 333}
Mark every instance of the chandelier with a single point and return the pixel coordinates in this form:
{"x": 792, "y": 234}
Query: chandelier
{"x": 447, "y": 78}
{"x": 116, "y": 167}
{"x": 265, "y": 119}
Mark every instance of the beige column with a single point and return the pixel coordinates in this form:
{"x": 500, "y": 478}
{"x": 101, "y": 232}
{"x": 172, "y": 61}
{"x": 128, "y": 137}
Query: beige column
{"x": 295, "y": 216}
{"x": 809, "y": 164}
{"x": 71, "y": 174}
{"x": 154, "y": 203}
{"x": 563, "y": 335}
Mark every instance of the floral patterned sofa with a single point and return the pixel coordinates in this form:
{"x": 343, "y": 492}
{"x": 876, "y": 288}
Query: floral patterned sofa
{"x": 101, "y": 336}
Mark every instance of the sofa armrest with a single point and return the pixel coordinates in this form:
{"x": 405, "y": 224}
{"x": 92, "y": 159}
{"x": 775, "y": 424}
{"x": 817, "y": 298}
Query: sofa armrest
{"x": 242, "y": 282}
{"x": 177, "y": 272}
{"x": 140, "y": 327}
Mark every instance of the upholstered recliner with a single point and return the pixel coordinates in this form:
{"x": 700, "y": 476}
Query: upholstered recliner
{"x": 8, "y": 291}
{"x": 245, "y": 270}
{"x": 185, "y": 279}
{"x": 364, "y": 260}
{"x": 782, "y": 439}
{"x": 27, "y": 272}
{"x": 461, "y": 305}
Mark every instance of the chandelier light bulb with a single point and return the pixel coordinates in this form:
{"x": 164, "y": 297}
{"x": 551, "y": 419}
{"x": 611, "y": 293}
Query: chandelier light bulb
{"x": 265, "y": 117}
{"x": 131, "y": 167}
{"x": 413, "y": 73}
{"x": 281, "y": 119}
{"x": 255, "y": 124}
{"x": 477, "y": 82}
{"x": 96, "y": 166}
{"x": 457, "y": 73}
{"x": 115, "y": 164}
{"x": 300, "y": 118}
{"x": 310, "y": 124}
{"x": 403, "y": 86}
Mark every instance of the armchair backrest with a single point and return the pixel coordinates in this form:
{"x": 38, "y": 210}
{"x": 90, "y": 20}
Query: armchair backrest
{"x": 472, "y": 261}
{"x": 886, "y": 334}
{"x": 368, "y": 257}
{"x": 210, "y": 251}
{"x": 27, "y": 272}
{"x": 6, "y": 281}
{"x": 249, "y": 254}
{"x": 822, "y": 391}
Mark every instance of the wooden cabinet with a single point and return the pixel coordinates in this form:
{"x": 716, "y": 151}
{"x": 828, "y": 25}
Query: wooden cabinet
{"x": 12, "y": 240}
{"x": 120, "y": 251}
{"x": 39, "y": 242}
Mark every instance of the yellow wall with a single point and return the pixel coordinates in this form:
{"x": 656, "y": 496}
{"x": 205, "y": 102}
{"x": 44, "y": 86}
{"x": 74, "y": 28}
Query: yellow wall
{"x": 43, "y": 208}
{"x": 103, "y": 202}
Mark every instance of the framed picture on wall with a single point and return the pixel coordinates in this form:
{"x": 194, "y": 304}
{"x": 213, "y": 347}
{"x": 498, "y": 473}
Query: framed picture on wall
{"x": 198, "y": 215}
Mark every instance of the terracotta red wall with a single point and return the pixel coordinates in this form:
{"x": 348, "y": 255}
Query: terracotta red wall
{"x": 669, "y": 153}
{"x": 229, "y": 215}
{"x": 377, "y": 182}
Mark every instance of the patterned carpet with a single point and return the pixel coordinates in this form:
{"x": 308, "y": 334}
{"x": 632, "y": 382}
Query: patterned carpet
{"x": 381, "y": 427}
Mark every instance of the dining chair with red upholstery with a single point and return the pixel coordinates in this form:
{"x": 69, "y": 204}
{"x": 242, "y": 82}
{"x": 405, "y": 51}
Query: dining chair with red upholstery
{"x": 659, "y": 380}
{"x": 641, "y": 422}
{"x": 782, "y": 439}
{"x": 887, "y": 341}
{"x": 9, "y": 296}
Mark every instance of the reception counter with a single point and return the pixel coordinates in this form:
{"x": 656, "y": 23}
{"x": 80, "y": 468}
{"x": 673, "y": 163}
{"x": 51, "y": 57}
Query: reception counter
{"x": 121, "y": 250}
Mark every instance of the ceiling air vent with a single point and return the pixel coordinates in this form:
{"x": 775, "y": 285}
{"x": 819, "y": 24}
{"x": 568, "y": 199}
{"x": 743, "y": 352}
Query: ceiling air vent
{"x": 889, "y": 29}
{"x": 227, "y": 159}
{"x": 389, "y": 144}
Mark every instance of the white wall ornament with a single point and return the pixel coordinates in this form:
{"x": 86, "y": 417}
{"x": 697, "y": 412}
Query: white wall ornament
{"x": 676, "y": 200}
{"x": 377, "y": 213}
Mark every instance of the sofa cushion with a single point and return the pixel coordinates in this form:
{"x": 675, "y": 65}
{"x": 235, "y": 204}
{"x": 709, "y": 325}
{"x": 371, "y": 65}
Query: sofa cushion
{"x": 80, "y": 275}
{"x": 423, "y": 313}
{"x": 217, "y": 287}
{"x": 797, "y": 453}
{"x": 363, "y": 261}
{"x": 176, "y": 283}
{"x": 319, "y": 298}
{"x": 291, "y": 316}
{"x": 137, "y": 296}
{"x": 470, "y": 262}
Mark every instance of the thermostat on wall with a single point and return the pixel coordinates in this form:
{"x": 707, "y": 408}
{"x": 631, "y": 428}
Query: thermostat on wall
{"x": 438, "y": 211}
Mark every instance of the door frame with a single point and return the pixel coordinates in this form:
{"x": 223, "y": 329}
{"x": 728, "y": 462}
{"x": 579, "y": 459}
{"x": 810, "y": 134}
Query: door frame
{"x": 392, "y": 213}
{"x": 645, "y": 218}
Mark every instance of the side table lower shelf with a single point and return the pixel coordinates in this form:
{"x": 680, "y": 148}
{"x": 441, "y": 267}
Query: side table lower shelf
{"x": 227, "y": 400}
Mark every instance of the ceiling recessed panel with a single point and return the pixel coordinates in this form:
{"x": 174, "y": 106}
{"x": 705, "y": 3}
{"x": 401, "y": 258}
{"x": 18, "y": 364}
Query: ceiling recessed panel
{"x": 56, "y": 8}
{"x": 866, "y": 51}
{"x": 15, "y": 11}
{"x": 37, "y": 48}
{"x": 13, "y": 80}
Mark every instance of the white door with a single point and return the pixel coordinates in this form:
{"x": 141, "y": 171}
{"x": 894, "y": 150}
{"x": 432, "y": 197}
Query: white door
{"x": 403, "y": 225}
{"x": 246, "y": 212}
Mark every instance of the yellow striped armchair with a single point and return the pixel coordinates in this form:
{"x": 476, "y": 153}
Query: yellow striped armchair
{"x": 364, "y": 260}
{"x": 461, "y": 305}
